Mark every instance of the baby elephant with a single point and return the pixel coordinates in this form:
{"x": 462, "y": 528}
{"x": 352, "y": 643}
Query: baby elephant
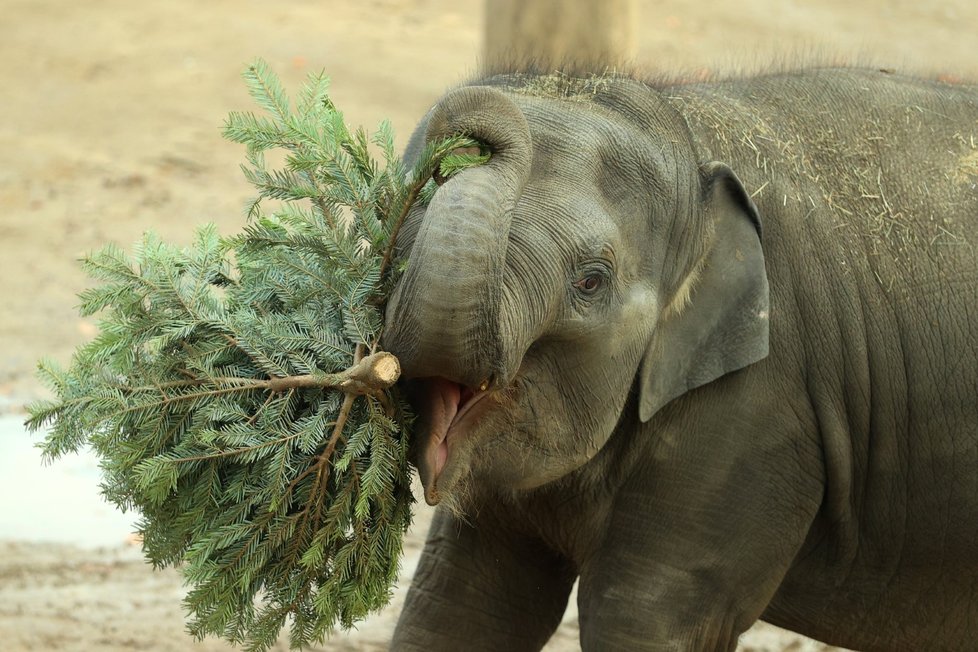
{"x": 711, "y": 348}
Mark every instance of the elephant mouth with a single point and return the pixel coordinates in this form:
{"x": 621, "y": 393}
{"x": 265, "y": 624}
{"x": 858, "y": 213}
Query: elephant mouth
{"x": 447, "y": 413}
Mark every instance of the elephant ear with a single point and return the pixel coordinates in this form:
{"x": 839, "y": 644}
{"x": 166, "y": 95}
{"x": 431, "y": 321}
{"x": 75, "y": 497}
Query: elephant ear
{"x": 719, "y": 321}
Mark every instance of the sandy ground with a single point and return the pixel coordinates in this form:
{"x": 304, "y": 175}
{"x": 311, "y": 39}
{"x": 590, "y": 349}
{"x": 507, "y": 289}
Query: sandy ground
{"x": 109, "y": 125}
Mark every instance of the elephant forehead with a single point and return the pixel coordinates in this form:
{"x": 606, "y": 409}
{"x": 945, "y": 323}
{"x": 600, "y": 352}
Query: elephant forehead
{"x": 577, "y": 220}
{"x": 579, "y": 144}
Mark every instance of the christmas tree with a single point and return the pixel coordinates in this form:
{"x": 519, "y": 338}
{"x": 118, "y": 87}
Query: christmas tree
{"x": 236, "y": 394}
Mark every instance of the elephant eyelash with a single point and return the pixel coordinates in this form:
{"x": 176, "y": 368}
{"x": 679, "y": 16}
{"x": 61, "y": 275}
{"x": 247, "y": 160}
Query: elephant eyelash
{"x": 589, "y": 284}
{"x": 591, "y": 279}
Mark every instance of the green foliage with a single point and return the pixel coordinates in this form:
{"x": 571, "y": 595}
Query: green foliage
{"x": 213, "y": 393}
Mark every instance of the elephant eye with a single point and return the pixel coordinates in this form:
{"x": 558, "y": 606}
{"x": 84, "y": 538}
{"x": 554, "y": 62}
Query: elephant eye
{"x": 589, "y": 284}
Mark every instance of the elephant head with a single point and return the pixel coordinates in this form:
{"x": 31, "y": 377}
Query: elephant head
{"x": 592, "y": 271}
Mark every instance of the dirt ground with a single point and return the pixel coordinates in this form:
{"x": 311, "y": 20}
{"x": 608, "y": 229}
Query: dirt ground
{"x": 109, "y": 125}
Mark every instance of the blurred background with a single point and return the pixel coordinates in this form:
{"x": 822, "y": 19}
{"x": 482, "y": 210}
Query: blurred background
{"x": 110, "y": 116}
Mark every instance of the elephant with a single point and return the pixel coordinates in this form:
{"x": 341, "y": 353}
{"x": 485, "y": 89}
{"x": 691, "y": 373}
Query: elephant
{"x": 708, "y": 348}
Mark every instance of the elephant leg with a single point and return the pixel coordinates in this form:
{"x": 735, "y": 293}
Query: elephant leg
{"x": 481, "y": 587}
{"x": 698, "y": 544}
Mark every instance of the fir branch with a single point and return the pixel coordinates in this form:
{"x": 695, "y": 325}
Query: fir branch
{"x": 236, "y": 393}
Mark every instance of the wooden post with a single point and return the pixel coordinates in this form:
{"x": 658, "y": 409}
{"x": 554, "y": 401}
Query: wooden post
{"x": 596, "y": 34}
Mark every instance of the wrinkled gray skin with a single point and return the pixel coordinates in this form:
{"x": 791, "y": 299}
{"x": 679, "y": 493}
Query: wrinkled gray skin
{"x": 710, "y": 413}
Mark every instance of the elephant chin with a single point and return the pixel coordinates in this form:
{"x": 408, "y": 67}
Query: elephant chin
{"x": 448, "y": 413}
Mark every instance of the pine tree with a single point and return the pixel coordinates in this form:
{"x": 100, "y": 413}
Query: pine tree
{"x": 236, "y": 395}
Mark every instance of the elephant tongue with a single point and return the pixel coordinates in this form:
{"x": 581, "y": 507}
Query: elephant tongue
{"x": 443, "y": 398}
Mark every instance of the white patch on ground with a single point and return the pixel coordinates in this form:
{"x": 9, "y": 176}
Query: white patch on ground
{"x": 56, "y": 502}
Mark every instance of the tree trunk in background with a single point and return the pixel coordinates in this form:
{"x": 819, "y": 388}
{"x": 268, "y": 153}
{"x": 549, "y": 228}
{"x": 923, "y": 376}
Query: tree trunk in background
{"x": 547, "y": 33}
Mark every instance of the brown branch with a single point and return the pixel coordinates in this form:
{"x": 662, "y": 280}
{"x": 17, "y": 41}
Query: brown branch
{"x": 385, "y": 262}
{"x": 348, "y": 405}
{"x": 321, "y": 204}
{"x": 271, "y": 397}
{"x": 408, "y": 203}
{"x": 322, "y": 464}
{"x": 370, "y": 375}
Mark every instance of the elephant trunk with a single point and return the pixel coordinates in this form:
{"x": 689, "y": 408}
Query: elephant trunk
{"x": 444, "y": 316}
